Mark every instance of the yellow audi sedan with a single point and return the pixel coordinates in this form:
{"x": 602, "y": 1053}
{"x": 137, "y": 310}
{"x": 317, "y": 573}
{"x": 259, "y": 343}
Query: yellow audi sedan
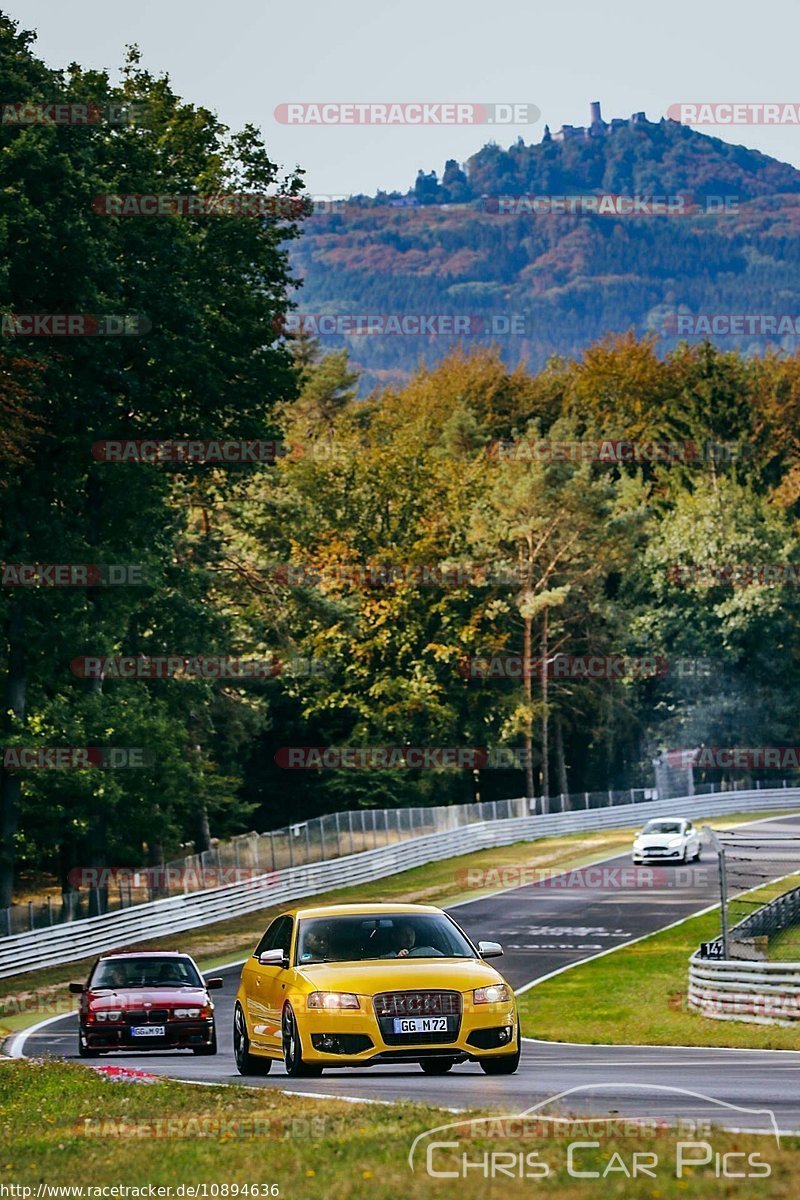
{"x": 352, "y": 985}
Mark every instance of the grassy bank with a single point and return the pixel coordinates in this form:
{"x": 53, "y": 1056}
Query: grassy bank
{"x": 637, "y": 995}
{"x": 65, "y": 1126}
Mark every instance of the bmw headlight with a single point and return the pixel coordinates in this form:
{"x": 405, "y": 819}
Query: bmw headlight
{"x": 495, "y": 993}
{"x": 183, "y": 1014}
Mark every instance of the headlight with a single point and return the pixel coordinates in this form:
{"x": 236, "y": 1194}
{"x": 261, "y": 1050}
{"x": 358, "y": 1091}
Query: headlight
{"x": 108, "y": 1014}
{"x": 182, "y": 1013}
{"x": 673, "y": 842}
{"x": 495, "y": 993}
{"x": 333, "y": 1000}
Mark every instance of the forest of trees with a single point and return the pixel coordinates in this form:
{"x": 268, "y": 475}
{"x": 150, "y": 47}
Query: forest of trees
{"x": 388, "y": 547}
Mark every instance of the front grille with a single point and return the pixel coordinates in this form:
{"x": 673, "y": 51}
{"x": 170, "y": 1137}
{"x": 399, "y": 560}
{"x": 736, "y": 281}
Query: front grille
{"x": 418, "y": 1004}
{"x": 143, "y": 1016}
{"x": 389, "y": 1005}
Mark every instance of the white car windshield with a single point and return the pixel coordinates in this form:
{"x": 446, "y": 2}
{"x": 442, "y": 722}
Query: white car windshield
{"x": 662, "y": 827}
{"x": 353, "y": 939}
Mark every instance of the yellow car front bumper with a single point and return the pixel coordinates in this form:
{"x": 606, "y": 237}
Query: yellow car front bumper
{"x": 353, "y": 1037}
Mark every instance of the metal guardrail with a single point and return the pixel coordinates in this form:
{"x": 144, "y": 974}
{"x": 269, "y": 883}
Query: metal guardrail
{"x": 318, "y": 839}
{"x": 760, "y": 993}
{"x": 161, "y": 918}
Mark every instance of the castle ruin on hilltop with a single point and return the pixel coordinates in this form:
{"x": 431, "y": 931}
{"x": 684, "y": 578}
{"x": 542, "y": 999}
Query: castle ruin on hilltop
{"x": 597, "y": 127}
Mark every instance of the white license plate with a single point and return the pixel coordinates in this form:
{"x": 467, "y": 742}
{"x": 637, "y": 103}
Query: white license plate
{"x": 148, "y": 1031}
{"x": 420, "y": 1024}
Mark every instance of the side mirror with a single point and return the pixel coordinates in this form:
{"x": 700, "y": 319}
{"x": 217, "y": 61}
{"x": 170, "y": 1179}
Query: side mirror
{"x": 77, "y": 989}
{"x": 273, "y": 958}
{"x": 215, "y": 983}
{"x": 490, "y": 949}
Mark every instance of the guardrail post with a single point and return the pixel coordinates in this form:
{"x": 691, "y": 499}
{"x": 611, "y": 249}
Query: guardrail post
{"x": 338, "y": 845}
{"x": 350, "y": 827}
{"x": 586, "y": 800}
{"x": 290, "y": 840}
{"x": 49, "y": 910}
{"x": 272, "y": 848}
{"x": 321, "y": 838}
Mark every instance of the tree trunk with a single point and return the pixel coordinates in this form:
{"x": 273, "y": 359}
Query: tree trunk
{"x": 563, "y": 785}
{"x": 10, "y": 782}
{"x": 203, "y": 841}
{"x": 528, "y": 685}
{"x": 545, "y": 715}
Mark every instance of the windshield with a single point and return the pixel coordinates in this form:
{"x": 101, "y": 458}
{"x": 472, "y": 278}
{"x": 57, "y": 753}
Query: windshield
{"x": 146, "y": 972}
{"x": 353, "y": 939}
{"x": 662, "y": 827}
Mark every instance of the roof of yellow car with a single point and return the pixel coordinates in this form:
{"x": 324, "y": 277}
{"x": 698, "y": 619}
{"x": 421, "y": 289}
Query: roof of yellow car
{"x": 356, "y": 910}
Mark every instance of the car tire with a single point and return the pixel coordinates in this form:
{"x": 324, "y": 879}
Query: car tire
{"x": 86, "y": 1051}
{"x": 246, "y": 1063}
{"x": 437, "y": 1066}
{"x": 296, "y": 1068}
{"x": 210, "y": 1049}
{"x": 699, "y": 852}
{"x": 505, "y": 1065}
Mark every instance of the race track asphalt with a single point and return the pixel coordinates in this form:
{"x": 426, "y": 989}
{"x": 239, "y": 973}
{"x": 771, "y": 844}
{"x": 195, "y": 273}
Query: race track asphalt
{"x": 544, "y": 926}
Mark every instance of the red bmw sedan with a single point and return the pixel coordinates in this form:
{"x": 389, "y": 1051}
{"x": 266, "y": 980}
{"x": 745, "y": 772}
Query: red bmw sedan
{"x": 155, "y": 1000}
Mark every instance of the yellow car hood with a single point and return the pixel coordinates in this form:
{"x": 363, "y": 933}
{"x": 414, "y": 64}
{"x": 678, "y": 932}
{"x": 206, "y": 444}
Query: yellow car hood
{"x": 399, "y": 974}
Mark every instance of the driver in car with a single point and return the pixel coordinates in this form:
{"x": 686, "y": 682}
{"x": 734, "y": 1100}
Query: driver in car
{"x": 405, "y": 938}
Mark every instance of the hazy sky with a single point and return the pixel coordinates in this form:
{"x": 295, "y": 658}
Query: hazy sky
{"x": 247, "y": 56}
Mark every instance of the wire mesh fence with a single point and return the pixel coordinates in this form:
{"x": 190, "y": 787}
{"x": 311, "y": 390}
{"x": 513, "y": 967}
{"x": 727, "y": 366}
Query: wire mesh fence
{"x": 97, "y": 891}
{"x": 762, "y": 870}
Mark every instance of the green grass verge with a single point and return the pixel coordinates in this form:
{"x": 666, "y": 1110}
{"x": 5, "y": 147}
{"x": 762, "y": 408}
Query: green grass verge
{"x": 637, "y": 995}
{"x": 63, "y": 1125}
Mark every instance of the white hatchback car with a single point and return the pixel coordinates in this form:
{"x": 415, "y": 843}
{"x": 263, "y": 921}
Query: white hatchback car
{"x": 667, "y": 839}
